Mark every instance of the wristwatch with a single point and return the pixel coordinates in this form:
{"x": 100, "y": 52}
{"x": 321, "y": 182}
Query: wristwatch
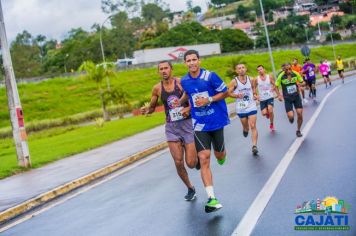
{"x": 210, "y": 99}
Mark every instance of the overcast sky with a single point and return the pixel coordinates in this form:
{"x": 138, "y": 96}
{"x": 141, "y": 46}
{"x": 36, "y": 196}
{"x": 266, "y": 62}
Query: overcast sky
{"x": 54, "y": 18}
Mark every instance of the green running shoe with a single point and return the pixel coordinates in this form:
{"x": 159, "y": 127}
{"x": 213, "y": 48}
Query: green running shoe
{"x": 212, "y": 205}
{"x": 222, "y": 161}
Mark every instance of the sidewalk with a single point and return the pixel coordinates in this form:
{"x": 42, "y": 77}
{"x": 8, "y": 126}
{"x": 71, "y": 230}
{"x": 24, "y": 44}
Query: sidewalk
{"x": 27, "y": 190}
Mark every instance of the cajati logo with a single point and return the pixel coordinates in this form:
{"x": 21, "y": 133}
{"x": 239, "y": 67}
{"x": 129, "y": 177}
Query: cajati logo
{"x": 178, "y": 53}
{"x": 327, "y": 214}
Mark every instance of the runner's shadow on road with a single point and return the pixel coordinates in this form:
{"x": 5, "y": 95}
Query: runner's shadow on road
{"x": 214, "y": 225}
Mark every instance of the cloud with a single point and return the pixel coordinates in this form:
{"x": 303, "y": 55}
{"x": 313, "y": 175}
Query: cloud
{"x": 54, "y": 18}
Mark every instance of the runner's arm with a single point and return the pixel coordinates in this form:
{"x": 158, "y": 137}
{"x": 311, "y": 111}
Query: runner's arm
{"x": 232, "y": 87}
{"x": 153, "y": 103}
{"x": 254, "y": 88}
{"x": 277, "y": 85}
{"x": 273, "y": 83}
{"x": 183, "y": 99}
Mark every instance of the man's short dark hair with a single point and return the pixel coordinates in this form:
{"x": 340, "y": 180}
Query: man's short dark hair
{"x": 191, "y": 52}
{"x": 260, "y": 66}
{"x": 165, "y": 61}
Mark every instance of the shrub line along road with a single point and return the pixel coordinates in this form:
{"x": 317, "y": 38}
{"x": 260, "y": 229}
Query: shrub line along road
{"x": 157, "y": 181}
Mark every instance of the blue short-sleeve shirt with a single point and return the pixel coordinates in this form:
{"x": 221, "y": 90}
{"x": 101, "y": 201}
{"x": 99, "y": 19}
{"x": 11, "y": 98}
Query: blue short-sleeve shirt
{"x": 213, "y": 116}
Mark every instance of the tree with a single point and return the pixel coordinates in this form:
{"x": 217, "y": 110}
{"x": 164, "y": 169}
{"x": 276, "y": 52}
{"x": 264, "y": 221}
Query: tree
{"x": 189, "y": 4}
{"x": 152, "y": 12}
{"x": 242, "y": 12}
{"x": 220, "y": 2}
{"x": 183, "y": 34}
{"x": 233, "y": 40}
{"x": 97, "y": 73}
{"x": 270, "y": 16}
{"x": 25, "y": 55}
{"x": 335, "y": 36}
{"x": 269, "y": 5}
{"x": 348, "y": 7}
{"x": 196, "y": 9}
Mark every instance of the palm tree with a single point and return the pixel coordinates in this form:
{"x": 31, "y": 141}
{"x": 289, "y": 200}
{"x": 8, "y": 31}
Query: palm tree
{"x": 98, "y": 73}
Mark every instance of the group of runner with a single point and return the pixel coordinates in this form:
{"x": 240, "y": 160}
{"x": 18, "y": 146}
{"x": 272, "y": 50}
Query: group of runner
{"x": 196, "y": 111}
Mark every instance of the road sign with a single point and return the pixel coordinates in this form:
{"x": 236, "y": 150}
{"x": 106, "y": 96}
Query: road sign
{"x": 305, "y": 51}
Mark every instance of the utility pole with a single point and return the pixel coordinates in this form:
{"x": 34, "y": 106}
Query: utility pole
{"x": 15, "y": 109}
{"x": 268, "y": 42}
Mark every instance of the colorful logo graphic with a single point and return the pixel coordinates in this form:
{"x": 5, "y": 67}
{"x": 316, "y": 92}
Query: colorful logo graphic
{"x": 172, "y": 101}
{"x": 178, "y": 53}
{"x": 327, "y": 214}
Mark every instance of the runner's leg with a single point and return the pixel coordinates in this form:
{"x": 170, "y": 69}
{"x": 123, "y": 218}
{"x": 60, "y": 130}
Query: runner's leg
{"x": 300, "y": 117}
{"x": 252, "y": 123}
{"x": 191, "y": 157}
{"x": 245, "y": 127}
{"x": 271, "y": 114}
{"x": 176, "y": 150}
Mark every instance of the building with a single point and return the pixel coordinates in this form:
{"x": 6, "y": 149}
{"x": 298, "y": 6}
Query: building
{"x": 223, "y": 22}
{"x": 326, "y": 17}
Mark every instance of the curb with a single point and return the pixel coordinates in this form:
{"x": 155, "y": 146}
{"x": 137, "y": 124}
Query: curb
{"x": 41, "y": 199}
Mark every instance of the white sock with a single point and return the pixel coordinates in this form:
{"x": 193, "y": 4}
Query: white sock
{"x": 210, "y": 191}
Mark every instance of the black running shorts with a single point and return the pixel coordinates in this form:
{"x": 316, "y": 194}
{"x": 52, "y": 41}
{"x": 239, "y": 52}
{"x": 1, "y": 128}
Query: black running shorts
{"x": 291, "y": 101}
{"x": 266, "y": 103}
{"x": 310, "y": 82}
{"x": 204, "y": 139}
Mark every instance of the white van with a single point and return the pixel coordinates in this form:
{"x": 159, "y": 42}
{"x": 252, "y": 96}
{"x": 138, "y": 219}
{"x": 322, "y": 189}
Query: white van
{"x": 125, "y": 62}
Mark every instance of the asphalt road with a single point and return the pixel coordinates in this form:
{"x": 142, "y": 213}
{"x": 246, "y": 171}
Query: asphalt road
{"x": 148, "y": 199}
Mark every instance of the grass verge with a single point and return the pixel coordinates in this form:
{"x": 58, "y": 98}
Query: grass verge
{"x": 54, "y": 144}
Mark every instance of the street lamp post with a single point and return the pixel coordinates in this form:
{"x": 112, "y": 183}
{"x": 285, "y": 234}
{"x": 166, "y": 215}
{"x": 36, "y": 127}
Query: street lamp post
{"x": 332, "y": 39}
{"x": 102, "y": 47}
{"x": 268, "y": 42}
{"x": 14, "y": 103}
{"x": 306, "y": 32}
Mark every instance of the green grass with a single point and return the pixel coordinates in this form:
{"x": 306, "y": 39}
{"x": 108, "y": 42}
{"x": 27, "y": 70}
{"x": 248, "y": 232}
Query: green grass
{"x": 58, "y": 98}
{"x": 54, "y": 144}
{"x": 63, "y": 97}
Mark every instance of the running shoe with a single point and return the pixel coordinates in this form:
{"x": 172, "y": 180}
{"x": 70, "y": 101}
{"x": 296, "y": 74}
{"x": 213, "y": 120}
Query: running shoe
{"x": 305, "y": 101}
{"x": 271, "y": 127}
{"x": 254, "y": 150}
{"x": 190, "y": 195}
{"x": 212, "y": 205}
{"x": 222, "y": 161}
{"x": 197, "y": 166}
{"x": 245, "y": 133}
{"x": 299, "y": 134}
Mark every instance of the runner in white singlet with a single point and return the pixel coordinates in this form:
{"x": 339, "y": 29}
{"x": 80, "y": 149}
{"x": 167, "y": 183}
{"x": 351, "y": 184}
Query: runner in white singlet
{"x": 241, "y": 88}
{"x": 266, "y": 88}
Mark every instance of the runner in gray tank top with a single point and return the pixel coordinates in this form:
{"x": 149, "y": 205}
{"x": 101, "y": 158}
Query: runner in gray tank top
{"x": 179, "y": 132}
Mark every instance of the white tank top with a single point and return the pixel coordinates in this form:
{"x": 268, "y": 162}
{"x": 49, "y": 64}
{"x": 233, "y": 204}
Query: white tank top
{"x": 265, "y": 89}
{"x": 245, "y": 104}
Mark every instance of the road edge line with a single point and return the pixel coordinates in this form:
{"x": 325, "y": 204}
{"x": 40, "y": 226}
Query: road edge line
{"x": 251, "y": 217}
{"x": 61, "y": 190}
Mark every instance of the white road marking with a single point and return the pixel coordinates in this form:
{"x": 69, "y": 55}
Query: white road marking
{"x": 249, "y": 220}
{"x": 61, "y": 200}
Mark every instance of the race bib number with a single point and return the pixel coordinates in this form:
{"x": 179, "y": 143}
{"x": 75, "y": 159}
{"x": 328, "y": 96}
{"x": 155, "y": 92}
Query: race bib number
{"x": 176, "y": 114}
{"x": 292, "y": 89}
{"x": 266, "y": 93}
{"x": 311, "y": 73}
{"x": 199, "y": 95}
{"x": 241, "y": 105}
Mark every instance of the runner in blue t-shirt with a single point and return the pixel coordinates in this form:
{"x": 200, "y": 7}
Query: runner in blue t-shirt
{"x": 206, "y": 92}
